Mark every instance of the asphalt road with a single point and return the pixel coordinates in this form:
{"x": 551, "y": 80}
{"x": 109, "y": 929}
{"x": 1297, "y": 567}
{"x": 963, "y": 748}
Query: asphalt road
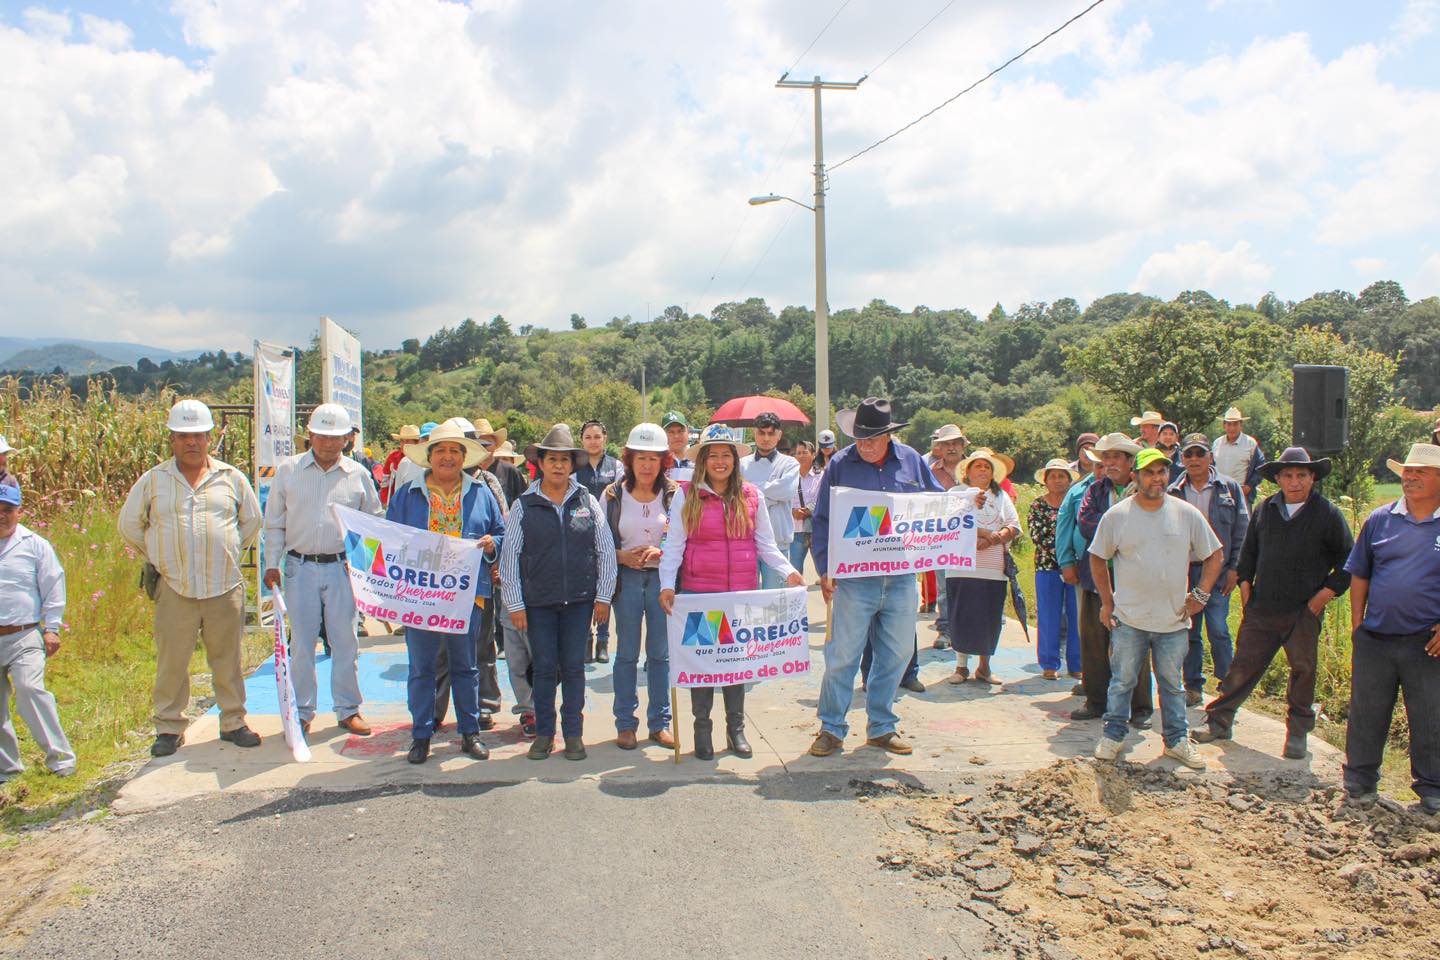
{"x": 776, "y": 868}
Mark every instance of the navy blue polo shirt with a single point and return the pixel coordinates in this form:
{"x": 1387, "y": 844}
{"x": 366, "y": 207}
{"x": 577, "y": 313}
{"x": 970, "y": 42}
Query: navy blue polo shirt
{"x": 1400, "y": 556}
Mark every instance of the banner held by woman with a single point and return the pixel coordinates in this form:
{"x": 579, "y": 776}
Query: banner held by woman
{"x": 718, "y": 639}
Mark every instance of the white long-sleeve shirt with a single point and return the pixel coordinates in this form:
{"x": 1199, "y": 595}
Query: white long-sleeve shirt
{"x": 297, "y": 511}
{"x": 776, "y": 477}
{"x": 32, "y": 582}
{"x": 673, "y": 550}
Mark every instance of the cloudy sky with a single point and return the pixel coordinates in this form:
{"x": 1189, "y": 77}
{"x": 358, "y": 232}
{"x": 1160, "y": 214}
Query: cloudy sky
{"x": 203, "y": 172}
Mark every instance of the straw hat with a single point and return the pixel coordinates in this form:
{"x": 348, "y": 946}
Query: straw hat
{"x": 1113, "y": 441}
{"x": 410, "y": 431}
{"x": 1233, "y": 414}
{"x": 484, "y": 431}
{"x": 1148, "y": 418}
{"x": 507, "y": 451}
{"x": 1000, "y": 466}
{"x": 717, "y": 433}
{"x": 446, "y": 433}
{"x": 1420, "y": 455}
{"x": 557, "y": 440}
{"x": 1056, "y": 464}
{"x": 947, "y": 433}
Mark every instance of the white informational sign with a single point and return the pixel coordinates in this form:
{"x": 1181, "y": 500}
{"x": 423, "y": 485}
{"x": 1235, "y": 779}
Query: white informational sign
{"x": 409, "y": 576}
{"x": 285, "y": 688}
{"x": 274, "y": 440}
{"x": 718, "y": 639}
{"x": 885, "y": 534}
{"x": 340, "y": 372}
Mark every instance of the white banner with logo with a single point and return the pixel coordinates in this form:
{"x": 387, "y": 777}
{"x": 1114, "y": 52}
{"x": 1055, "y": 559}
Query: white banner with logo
{"x": 274, "y": 439}
{"x": 884, "y": 534}
{"x": 285, "y": 688}
{"x": 718, "y": 639}
{"x": 408, "y": 576}
{"x": 340, "y": 372}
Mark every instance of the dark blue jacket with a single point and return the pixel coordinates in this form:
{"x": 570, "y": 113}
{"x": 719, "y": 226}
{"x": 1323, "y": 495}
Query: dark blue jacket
{"x": 557, "y": 554}
{"x": 481, "y": 515}
{"x": 596, "y": 479}
{"x": 1229, "y": 515}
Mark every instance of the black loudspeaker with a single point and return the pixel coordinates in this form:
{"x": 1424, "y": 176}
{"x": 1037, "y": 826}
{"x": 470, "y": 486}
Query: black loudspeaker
{"x": 1322, "y": 411}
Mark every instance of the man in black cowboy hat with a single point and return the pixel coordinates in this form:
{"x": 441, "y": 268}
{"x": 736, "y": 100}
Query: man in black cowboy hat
{"x": 1292, "y": 564}
{"x": 876, "y": 461}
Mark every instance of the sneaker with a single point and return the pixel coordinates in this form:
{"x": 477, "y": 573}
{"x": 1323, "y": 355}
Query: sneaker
{"x": 527, "y": 725}
{"x": 166, "y": 743}
{"x": 241, "y": 737}
{"x": 1108, "y": 749}
{"x": 1185, "y": 752}
{"x": 1193, "y": 698}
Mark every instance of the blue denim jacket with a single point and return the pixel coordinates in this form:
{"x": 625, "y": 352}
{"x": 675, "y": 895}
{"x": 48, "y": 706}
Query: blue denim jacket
{"x": 903, "y": 471}
{"x": 1229, "y": 515}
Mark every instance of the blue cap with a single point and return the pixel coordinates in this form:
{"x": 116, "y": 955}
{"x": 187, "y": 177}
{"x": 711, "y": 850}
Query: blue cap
{"x": 425, "y": 428}
{"x": 10, "y": 493}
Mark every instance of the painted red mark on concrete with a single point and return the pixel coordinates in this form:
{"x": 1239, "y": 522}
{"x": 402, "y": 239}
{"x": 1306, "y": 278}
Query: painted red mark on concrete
{"x": 390, "y": 739}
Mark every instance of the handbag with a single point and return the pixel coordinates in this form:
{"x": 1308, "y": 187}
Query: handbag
{"x": 150, "y": 580}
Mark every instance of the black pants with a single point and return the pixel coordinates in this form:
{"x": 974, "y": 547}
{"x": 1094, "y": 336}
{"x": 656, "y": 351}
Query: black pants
{"x": 702, "y": 700}
{"x": 1381, "y": 666}
{"x": 482, "y": 631}
{"x": 1262, "y": 635}
{"x": 1095, "y": 661}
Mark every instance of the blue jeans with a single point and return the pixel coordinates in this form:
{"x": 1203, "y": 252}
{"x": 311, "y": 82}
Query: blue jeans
{"x": 799, "y": 550}
{"x": 771, "y": 579}
{"x": 423, "y": 647}
{"x": 1056, "y": 609}
{"x": 1129, "y": 648}
{"x": 317, "y": 593}
{"x": 912, "y": 669}
{"x": 637, "y": 601}
{"x": 1216, "y": 617}
{"x": 942, "y": 609}
{"x": 890, "y": 604}
{"x": 558, "y": 636}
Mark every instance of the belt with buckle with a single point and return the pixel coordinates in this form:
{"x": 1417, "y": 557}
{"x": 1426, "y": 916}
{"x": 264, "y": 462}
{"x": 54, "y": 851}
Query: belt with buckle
{"x": 5, "y": 631}
{"x": 315, "y": 557}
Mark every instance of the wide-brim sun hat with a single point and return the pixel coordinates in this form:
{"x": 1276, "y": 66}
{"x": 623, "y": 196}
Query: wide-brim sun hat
{"x": 647, "y": 438}
{"x": 871, "y": 418}
{"x": 483, "y": 430}
{"x": 558, "y": 439}
{"x": 507, "y": 451}
{"x": 1234, "y": 415}
{"x": 713, "y": 435}
{"x": 1000, "y": 466}
{"x": 1420, "y": 455}
{"x": 1149, "y": 417}
{"x": 5, "y": 445}
{"x": 1056, "y": 464}
{"x": 1295, "y": 457}
{"x": 1113, "y": 441}
{"x": 419, "y": 453}
{"x": 948, "y": 432}
{"x": 410, "y": 431}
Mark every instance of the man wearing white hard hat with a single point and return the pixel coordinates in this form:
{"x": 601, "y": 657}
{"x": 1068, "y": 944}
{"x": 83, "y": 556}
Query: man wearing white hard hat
{"x": 303, "y": 539}
{"x": 191, "y": 517}
{"x": 6, "y": 477}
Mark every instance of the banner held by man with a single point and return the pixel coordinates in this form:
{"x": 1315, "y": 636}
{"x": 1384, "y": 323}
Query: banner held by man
{"x": 873, "y": 533}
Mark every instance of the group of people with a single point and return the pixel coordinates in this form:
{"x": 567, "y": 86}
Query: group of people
{"x": 1139, "y": 545}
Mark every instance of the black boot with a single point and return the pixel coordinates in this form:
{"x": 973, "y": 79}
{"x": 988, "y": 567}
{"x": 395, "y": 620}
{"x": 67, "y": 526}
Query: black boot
{"x": 704, "y": 748}
{"x": 702, "y": 699}
{"x": 735, "y": 722}
{"x": 602, "y": 652}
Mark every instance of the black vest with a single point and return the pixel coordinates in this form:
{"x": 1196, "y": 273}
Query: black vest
{"x": 558, "y": 562}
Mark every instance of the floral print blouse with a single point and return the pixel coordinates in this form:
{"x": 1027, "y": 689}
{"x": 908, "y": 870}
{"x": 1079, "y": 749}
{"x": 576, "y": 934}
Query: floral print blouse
{"x": 1041, "y": 526}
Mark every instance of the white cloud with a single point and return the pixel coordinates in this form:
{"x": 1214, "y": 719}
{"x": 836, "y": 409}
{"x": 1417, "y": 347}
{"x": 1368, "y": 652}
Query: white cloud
{"x": 399, "y": 165}
{"x": 1191, "y": 266}
{"x": 1368, "y": 266}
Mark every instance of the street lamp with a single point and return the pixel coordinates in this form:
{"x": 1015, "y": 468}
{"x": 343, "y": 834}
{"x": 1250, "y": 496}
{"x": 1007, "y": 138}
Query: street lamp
{"x": 822, "y": 308}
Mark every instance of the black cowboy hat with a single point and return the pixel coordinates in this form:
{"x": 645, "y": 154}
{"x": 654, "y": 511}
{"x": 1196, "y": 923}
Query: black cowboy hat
{"x": 1295, "y": 457}
{"x": 871, "y": 418}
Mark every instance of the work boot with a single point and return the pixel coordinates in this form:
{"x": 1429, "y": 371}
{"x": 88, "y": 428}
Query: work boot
{"x": 1143, "y": 720}
{"x": 1088, "y": 712}
{"x": 1213, "y": 731}
{"x": 165, "y": 744}
{"x": 241, "y": 737}
{"x": 470, "y": 743}
{"x": 419, "y": 751}
{"x": 1193, "y": 698}
{"x": 1294, "y": 745}
{"x": 735, "y": 736}
{"x": 602, "y": 652}
{"x": 540, "y": 748}
{"x": 574, "y": 748}
{"x": 704, "y": 749}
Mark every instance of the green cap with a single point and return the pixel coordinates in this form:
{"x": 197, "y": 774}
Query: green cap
{"x": 1148, "y": 456}
{"x": 675, "y": 416}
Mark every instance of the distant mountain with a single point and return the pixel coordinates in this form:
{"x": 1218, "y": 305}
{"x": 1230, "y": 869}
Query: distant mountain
{"x": 79, "y": 356}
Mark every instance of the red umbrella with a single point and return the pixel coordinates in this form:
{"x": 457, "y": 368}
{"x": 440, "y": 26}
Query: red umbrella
{"x": 742, "y": 411}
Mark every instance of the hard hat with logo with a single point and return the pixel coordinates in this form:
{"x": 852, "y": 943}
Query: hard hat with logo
{"x": 329, "y": 420}
{"x": 190, "y": 416}
{"x": 647, "y": 438}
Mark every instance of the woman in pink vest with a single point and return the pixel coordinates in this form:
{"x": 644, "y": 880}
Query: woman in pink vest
{"x": 718, "y": 529}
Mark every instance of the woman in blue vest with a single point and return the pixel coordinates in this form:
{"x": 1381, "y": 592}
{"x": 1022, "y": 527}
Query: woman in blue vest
{"x": 557, "y": 571}
{"x": 444, "y": 500}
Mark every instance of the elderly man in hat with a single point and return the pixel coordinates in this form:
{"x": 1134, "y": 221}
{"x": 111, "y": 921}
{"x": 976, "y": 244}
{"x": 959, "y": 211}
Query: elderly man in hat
{"x": 1152, "y": 538}
{"x": 1086, "y": 441}
{"x": 32, "y": 607}
{"x": 191, "y": 517}
{"x": 6, "y": 477}
{"x": 1149, "y": 423}
{"x": 876, "y": 461}
{"x": 1117, "y": 453}
{"x": 1292, "y": 564}
{"x": 1237, "y": 455}
{"x": 1071, "y": 546}
{"x": 301, "y": 533}
{"x": 1222, "y": 502}
{"x": 1395, "y": 632}
{"x": 775, "y": 475}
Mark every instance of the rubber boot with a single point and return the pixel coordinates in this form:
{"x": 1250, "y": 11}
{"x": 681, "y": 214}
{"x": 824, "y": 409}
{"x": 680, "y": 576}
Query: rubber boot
{"x": 735, "y": 740}
{"x": 702, "y": 699}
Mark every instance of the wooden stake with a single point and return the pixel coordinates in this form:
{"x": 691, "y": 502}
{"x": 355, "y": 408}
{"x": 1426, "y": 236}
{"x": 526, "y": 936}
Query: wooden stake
{"x": 675, "y": 720}
{"x": 829, "y": 616}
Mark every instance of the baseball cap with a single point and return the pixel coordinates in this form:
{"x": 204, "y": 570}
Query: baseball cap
{"x": 10, "y": 493}
{"x": 767, "y": 420}
{"x": 674, "y": 416}
{"x": 827, "y": 438}
{"x": 1195, "y": 440}
{"x": 1148, "y": 456}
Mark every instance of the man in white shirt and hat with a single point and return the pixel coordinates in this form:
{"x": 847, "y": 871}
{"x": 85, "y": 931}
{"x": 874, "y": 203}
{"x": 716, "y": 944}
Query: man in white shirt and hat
{"x": 1237, "y": 455}
{"x": 303, "y": 537}
{"x": 6, "y": 477}
{"x": 775, "y": 475}
{"x": 1149, "y": 423}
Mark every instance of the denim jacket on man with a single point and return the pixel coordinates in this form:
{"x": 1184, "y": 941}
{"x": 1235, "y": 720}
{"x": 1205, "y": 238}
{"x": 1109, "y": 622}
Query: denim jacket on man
{"x": 1229, "y": 514}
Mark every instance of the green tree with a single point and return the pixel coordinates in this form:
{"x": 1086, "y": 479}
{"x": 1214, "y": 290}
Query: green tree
{"x": 1180, "y": 359}
{"x": 577, "y": 322}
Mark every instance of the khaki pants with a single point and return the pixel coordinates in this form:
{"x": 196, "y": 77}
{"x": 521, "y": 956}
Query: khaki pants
{"x": 220, "y": 622}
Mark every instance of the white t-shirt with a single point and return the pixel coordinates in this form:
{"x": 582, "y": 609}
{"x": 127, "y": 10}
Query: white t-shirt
{"x": 1152, "y": 551}
{"x": 641, "y": 524}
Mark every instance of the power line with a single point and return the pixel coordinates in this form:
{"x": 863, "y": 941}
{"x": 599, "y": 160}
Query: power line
{"x": 972, "y": 86}
{"x": 912, "y": 36}
{"x": 817, "y": 38}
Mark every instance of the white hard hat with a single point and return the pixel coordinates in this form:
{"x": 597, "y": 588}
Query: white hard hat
{"x": 5, "y": 445}
{"x": 190, "y": 416}
{"x": 329, "y": 420}
{"x": 647, "y": 438}
{"x": 461, "y": 424}
{"x": 827, "y": 438}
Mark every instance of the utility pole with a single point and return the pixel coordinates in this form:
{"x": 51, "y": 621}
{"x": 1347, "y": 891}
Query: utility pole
{"x": 822, "y": 306}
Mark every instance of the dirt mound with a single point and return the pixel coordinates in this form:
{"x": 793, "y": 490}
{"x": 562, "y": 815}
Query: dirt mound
{"x": 1116, "y": 860}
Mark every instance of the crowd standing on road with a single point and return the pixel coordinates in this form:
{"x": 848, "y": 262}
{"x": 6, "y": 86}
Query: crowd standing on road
{"x": 1139, "y": 545}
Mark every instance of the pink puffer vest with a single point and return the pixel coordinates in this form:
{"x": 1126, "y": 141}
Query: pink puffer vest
{"x": 714, "y": 562}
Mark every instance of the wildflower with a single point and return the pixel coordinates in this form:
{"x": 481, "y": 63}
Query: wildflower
{"x": 95, "y": 597}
